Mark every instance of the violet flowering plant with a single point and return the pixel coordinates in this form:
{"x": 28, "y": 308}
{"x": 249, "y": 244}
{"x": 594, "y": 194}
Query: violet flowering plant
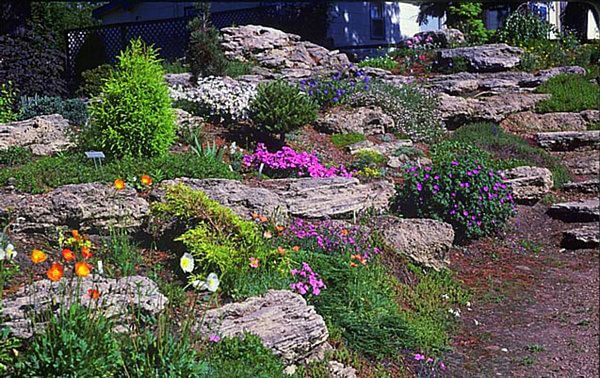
{"x": 308, "y": 282}
{"x": 461, "y": 188}
{"x": 289, "y": 163}
{"x": 429, "y": 367}
{"x": 335, "y": 89}
{"x": 331, "y": 237}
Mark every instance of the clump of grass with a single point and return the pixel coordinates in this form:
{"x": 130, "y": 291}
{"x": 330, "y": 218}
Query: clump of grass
{"x": 570, "y": 93}
{"x": 594, "y": 126}
{"x": 120, "y": 253}
{"x": 343, "y": 140}
{"x": 509, "y": 150}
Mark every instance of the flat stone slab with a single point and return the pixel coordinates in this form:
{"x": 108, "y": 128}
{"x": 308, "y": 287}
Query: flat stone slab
{"x": 529, "y": 183}
{"x": 117, "y": 297}
{"x": 583, "y": 237}
{"x": 42, "y": 135}
{"x": 530, "y": 122}
{"x": 484, "y": 58}
{"x": 284, "y": 322}
{"x": 589, "y": 186}
{"x": 425, "y": 241}
{"x": 577, "y": 211}
{"x": 569, "y": 140}
{"x": 368, "y": 120}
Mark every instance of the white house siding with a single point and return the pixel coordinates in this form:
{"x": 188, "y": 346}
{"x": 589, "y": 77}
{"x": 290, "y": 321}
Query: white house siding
{"x": 593, "y": 31}
{"x": 350, "y": 23}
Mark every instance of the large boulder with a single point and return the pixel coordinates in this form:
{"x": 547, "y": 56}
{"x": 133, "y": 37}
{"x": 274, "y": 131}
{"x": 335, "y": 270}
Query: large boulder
{"x": 442, "y": 37}
{"x": 569, "y": 140}
{"x": 457, "y": 110}
{"x": 89, "y": 207}
{"x": 42, "y": 135}
{"x": 273, "y": 49}
{"x": 117, "y": 299}
{"x": 425, "y": 241}
{"x": 529, "y": 183}
{"x": 281, "y": 319}
{"x": 530, "y": 122}
{"x": 302, "y": 197}
{"x": 485, "y": 58}
{"x": 364, "y": 120}
{"x": 187, "y": 124}
{"x": 576, "y": 211}
{"x": 588, "y": 186}
{"x": 582, "y": 237}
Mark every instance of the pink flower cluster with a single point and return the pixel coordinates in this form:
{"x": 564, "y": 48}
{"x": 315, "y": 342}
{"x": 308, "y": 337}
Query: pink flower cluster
{"x": 288, "y": 162}
{"x": 309, "y": 281}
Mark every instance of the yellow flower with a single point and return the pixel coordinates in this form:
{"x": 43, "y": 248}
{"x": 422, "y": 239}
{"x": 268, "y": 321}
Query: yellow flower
{"x": 119, "y": 184}
{"x": 37, "y": 256}
{"x": 82, "y": 269}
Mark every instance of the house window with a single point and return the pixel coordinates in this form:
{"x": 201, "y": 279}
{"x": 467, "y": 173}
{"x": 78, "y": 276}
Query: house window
{"x": 377, "y": 20}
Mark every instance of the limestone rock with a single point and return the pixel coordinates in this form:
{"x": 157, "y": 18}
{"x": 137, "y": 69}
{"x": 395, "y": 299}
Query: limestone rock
{"x": 117, "y": 298}
{"x": 187, "y": 123}
{"x": 529, "y": 183}
{"x": 363, "y": 120}
{"x": 88, "y": 207}
{"x": 459, "y": 110}
{"x": 339, "y": 370}
{"x": 569, "y": 140}
{"x": 589, "y": 186}
{"x": 442, "y": 37}
{"x": 583, "y": 237}
{"x": 43, "y": 135}
{"x": 581, "y": 163}
{"x": 485, "y": 58}
{"x": 425, "y": 241}
{"x": 385, "y": 148}
{"x": 280, "y": 318}
{"x": 577, "y": 211}
{"x": 179, "y": 80}
{"x": 530, "y": 122}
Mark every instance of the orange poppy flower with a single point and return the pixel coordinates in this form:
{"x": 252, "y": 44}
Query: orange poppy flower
{"x": 76, "y": 235}
{"x": 68, "y": 255}
{"x": 119, "y": 184}
{"x": 353, "y": 265}
{"x": 344, "y": 232}
{"x": 359, "y": 258}
{"x": 281, "y": 251}
{"x": 55, "y": 272}
{"x": 94, "y": 293}
{"x": 85, "y": 252}
{"x": 280, "y": 228}
{"x": 37, "y": 256}
{"x": 296, "y": 248}
{"x": 82, "y": 269}
{"x": 263, "y": 219}
{"x": 146, "y": 180}
{"x": 255, "y": 215}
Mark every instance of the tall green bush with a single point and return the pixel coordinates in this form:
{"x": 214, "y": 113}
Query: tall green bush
{"x": 279, "y": 107}
{"x": 467, "y": 16}
{"x": 523, "y": 27}
{"x": 204, "y": 55}
{"x": 133, "y": 114}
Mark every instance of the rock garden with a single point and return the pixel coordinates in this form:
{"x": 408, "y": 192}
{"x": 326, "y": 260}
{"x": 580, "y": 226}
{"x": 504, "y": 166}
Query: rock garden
{"x": 268, "y": 208}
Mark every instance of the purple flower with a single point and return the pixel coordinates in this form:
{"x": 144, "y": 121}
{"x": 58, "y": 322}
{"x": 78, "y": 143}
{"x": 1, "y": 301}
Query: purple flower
{"x": 214, "y": 338}
{"x": 419, "y": 357}
{"x": 454, "y": 163}
{"x": 419, "y": 187}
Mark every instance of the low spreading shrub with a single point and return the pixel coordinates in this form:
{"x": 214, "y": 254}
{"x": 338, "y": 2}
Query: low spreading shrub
{"x": 218, "y": 99}
{"x": 12, "y": 156}
{"x": 509, "y": 151}
{"x": 368, "y": 163}
{"x": 343, "y": 140}
{"x": 74, "y": 110}
{"x": 237, "y": 68}
{"x": 133, "y": 114}
{"x": 460, "y": 188}
{"x": 415, "y": 110}
{"x": 279, "y": 108}
{"x": 93, "y": 80}
{"x": 384, "y": 62}
{"x": 337, "y": 88}
{"x": 570, "y": 93}
{"x": 289, "y": 163}
{"x": 8, "y": 99}
{"x": 51, "y": 172}
{"x": 524, "y": 27}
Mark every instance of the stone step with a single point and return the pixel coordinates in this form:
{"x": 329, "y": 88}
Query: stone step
{"x": 576, "y": 211}
{"x": 589, "y": 186}
{"x": 569, "y": 140}
{"x": 529, "y": 184}
{"x": 582, "y": 237}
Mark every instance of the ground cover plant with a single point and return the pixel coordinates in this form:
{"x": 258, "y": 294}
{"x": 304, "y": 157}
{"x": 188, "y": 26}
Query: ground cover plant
{"x": 337, "y": 88}
{"x": 343, "y": 140}
{"x": 384, "y": 62}
{"x": 509, "y": 151}
{"x": 570, "y": 93}
{"x": 74, "y": 110}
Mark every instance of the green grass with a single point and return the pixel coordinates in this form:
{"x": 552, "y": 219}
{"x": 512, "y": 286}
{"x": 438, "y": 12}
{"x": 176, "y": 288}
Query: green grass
{"x": 120, "y": 254}
{"x": 509, "y": 150}
{"x": 570, "y": 93}
{"x": 343, "y": 140}
{"x": 47, "y": 173}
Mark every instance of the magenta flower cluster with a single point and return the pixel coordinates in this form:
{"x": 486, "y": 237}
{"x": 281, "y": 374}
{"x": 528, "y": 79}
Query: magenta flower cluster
{"x": 287, "y": 162}
{"x": 331, "y": 237}
{"x": 308, "y": 282}
{"x": 428, "y": 365}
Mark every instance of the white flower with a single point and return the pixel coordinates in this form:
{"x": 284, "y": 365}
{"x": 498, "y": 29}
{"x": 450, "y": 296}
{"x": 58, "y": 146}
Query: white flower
{"x": 445, "y": 296}
{"x": 100, "y": 267}
{"x": 212, "y": 282}
{"x": 10, "y": 252}
{"x": 2, "y": 254}
{"x": 187, "y": 263}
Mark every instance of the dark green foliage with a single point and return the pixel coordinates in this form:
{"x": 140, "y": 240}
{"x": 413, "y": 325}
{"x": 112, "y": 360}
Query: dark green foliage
{"x": 50, "y": 172}
{"x": 242, "y": 357}
{"x": 8, "y": 102}
{"x": 279, "y": 107}
{"x": 32, "y": 63}
{"x": 467, "y": 16}
{"x": 74, "y": 110}
{"x": 204, "y": 54}
{"x": 524, "y": 27}
{"x": 236, "y": 68}
{"x": 570, "y": 93}
{"x": 76, "y": 343}
{"x": 57, "y": 17}
{"x": 8, "y": 350}
{"x": 460, "y": 188}
{"x": 133, "y": 114}
{"x": 15, "y": 156}
{"x": 93, "y": 79}
{"x": 343, "y": 140}
{"x": 510, "y": 151}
